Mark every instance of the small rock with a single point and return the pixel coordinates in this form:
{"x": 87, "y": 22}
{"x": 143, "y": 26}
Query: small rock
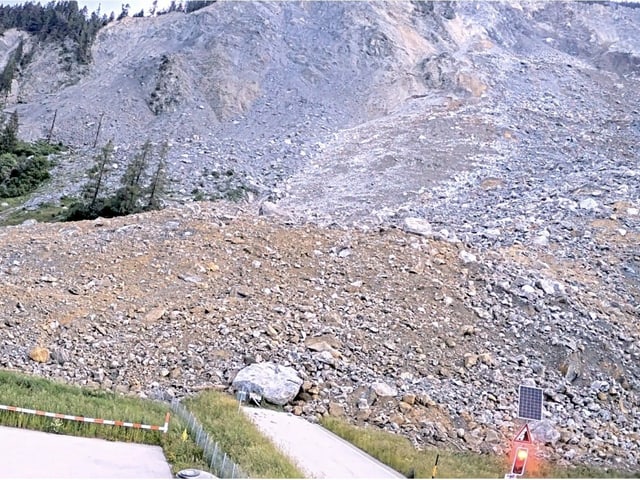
{"x": 409, "y": 398}
{"x": 467, "y": 257}
{"x": 470, "y": 360}
{"x": 384, "y": 390}
{"x": 588, "y": 204}
{"x": 270, "y": 209}
{"x": 545, "y": 432}
{"x": 325, "y": 343}
{"x": 336, "y": 409}
{"x": 154, "y": 315}
{"x": 417, "y": 226}
{"x": 39, "y": 354}
{"x": 492, "y": 437}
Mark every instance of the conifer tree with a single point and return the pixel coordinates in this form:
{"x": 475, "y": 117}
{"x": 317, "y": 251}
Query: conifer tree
{"x": 159, "y": 179}
{"x": 98, "y": 174}
{"x": 9, "y": 135}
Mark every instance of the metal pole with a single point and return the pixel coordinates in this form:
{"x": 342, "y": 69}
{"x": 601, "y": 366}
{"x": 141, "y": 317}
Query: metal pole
{"x": 434, "y": 472}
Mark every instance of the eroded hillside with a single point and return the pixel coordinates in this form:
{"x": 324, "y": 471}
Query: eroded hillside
{"x": 453, "y": 209}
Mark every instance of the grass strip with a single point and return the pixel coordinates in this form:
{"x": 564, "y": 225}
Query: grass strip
{"x": 398, "y": 453}
{"x": 37, "y": 393}
{"x": 239, "y": 437}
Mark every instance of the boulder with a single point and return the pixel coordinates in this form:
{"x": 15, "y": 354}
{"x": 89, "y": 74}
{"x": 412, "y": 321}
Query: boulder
{"x": 417, "y": 226}
{"x": 384, "y": 390}
{"x": 545, "y": 432}
{"x": 276, "y": 384}
{"x": 39, "y": 354}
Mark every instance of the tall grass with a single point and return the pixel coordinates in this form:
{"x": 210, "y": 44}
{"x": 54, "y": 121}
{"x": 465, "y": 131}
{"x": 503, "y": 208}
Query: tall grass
{"x": 239, "y": 437}
{"x": 37, "y": 393}
{"x": 398, "y": 453}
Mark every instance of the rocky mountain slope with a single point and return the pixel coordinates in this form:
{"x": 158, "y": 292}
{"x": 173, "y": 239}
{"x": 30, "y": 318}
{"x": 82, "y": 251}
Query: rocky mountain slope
{"x": 454, "y": 201}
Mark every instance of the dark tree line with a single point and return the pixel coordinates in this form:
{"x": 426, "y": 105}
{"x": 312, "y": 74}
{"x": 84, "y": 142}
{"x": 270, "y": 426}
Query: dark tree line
{"x": 186, "y": 7}
{"x": 56, "y": 21}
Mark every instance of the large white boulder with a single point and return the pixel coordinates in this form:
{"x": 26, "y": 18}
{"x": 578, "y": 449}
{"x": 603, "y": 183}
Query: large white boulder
{"x": 276, "y": 384}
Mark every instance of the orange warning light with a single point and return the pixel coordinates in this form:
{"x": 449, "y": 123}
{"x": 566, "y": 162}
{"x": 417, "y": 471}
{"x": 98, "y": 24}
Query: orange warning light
{"x": 520, "y": 461}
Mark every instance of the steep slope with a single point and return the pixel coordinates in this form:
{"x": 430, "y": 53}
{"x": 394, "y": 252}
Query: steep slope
{"x": 503, "y": 135}
{"x": 266, "y": 90}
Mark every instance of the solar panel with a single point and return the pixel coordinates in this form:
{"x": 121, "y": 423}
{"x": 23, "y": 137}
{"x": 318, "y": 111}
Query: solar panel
{"x": 530, "y": 404}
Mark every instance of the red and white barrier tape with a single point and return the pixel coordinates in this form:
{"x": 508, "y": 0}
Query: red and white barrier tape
{"x": 164, "y": 428}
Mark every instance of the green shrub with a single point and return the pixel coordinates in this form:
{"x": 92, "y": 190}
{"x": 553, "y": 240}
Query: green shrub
{"x": 24, "y": 177}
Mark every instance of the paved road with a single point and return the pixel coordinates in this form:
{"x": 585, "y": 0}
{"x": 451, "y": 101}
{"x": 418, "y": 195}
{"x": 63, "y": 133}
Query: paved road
{"x": 318, "y": 452}
{"x": 29, "y": 454}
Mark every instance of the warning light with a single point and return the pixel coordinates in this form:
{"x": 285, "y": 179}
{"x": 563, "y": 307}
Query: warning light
{"x": 520, "y": 461}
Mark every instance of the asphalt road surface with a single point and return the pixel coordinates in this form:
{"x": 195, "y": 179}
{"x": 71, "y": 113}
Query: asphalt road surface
{"x": 317, "y": 452}
{"x": 29, "y": 454}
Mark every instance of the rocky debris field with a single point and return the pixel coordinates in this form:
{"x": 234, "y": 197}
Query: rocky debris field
{"x": 447, "y": 207}
{"x": 395, "y": 327}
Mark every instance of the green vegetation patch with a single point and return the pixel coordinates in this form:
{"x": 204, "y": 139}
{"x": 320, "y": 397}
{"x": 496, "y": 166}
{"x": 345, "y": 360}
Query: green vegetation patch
{"x": 398, "y": 453}
{"x": 23, "y": 166}
{"x": 15, "y": 214}
{"x": 37, "y": 393}
{"x": 239, "y": 437}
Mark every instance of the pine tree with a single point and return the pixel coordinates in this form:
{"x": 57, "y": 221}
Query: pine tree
{"x": 159, "y": 180}
{"x": 98, "y": 174}
{"x": 9, "y": 135}
{"x": 129, "y": 194}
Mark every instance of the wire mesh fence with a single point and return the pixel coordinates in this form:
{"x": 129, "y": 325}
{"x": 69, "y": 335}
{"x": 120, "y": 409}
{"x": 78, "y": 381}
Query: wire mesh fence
{"x": 219, "y": 462}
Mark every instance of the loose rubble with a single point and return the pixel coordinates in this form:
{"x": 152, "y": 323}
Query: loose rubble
{"x": 401, "y": 333}
{"x": 466, "y": 223}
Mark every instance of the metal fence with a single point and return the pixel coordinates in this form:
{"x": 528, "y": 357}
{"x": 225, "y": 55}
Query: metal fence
{"x": 219, "y": 462}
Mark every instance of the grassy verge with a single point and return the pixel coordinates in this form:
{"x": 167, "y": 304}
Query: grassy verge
{"x": 398, "y": 453}
{"x": 239, "y": 438}
{"x": 31, "y": 392}
{"x": 46, "y": 212}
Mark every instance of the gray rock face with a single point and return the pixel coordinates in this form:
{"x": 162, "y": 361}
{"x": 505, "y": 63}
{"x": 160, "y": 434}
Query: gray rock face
{"x": 276, "y": 384}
